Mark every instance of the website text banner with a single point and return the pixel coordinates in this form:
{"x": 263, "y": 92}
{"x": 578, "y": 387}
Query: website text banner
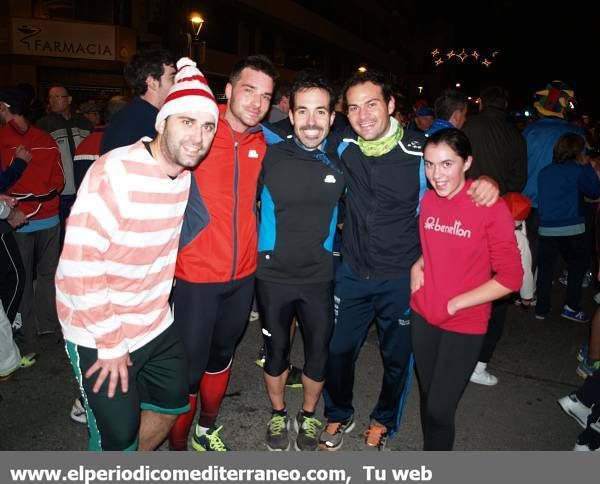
{"x": 291, "y": 467}
{"x": 51, "y": 38}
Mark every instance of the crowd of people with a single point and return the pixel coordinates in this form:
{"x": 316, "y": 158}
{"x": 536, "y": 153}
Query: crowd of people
{"x": 150, "y": 228}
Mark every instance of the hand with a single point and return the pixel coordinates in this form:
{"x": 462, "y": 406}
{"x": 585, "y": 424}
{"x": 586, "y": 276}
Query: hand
{"x": 16, "y": 218}
{"x": 484, "y": 191}
{"x": 452, "y": 307}
{"x": 114, "y": 369}
{"x": 417, "y": 275}
{"x": 10, "y": 201}
{"x": 23, "y": 153}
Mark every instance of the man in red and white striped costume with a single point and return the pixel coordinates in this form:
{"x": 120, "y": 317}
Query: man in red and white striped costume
{"x": 116, "y": 272}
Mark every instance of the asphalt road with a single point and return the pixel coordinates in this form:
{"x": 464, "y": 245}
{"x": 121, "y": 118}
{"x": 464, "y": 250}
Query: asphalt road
{"x": 535, "y": 363}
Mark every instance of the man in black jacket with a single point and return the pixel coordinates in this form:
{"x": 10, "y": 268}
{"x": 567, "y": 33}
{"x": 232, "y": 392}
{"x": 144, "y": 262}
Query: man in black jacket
{"x": 300, "y": 185}
{"x": 499, "y": 151}
{"x": 386, "y": 177}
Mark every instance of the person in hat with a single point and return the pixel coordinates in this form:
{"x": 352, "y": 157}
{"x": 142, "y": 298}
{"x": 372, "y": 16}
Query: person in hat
{"x": 37, "y": 189}
{"x": 541, "y": 136}
{"x": 116, "y": 271}
{"x": 88, "y": 150}
{"x": 91, "y": 111}
{"x": 423, "y": 119}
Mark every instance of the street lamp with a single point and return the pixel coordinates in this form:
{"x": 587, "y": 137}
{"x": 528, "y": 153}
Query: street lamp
{"x": 197, "y": 22}
{"x": 362, "y": 69}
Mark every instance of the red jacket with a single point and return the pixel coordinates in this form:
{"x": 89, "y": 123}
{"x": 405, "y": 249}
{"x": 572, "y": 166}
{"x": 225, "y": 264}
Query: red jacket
{"x": 227, "y": 248}
{"x": 43, "y": 173}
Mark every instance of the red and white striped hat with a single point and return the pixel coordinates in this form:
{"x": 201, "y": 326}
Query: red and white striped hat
{"x": 190, "y": 92}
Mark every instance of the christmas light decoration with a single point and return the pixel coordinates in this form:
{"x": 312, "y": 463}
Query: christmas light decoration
{"x": 437, "y": 56}
{"x": 463, "y": 55}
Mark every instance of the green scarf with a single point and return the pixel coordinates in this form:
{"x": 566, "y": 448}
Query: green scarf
{"x": 380, "y": 147}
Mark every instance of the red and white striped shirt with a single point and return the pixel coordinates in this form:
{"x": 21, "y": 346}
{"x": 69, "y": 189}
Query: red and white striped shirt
{"x": 116, "y": 269}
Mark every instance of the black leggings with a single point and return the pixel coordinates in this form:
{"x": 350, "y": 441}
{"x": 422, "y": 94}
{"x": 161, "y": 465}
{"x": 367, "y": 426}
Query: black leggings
{"x": 444, "y": 362}
{"x": 313, "y": 305}
{"x": 210, "y": 319}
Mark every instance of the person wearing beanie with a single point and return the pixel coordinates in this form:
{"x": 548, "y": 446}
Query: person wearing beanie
{"x": 115, "y": 273}
{"x": 215, "y": 271}
{"x": 37, "y": 190}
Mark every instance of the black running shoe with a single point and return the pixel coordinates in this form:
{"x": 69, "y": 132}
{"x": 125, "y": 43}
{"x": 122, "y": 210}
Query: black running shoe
{"x": 294, "y": 378}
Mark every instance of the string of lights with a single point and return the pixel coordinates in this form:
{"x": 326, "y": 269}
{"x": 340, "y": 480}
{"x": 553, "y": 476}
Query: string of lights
{"x": 484, "y": 57}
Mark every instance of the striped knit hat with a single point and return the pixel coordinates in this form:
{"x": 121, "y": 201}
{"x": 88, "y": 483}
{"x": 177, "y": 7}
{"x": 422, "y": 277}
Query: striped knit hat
{"x": 190, "y": 92}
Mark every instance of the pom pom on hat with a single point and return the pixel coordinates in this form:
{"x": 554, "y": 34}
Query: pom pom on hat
{"x": 190, "y": 92}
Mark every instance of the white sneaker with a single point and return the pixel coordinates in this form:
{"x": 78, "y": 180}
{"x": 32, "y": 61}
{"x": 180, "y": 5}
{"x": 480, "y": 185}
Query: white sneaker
{"x": 253, "y": 316}
{"x": 584, "y": 448}
{"x": 574, "y": 408}
{"x": 78, "y": 412}
{"x": 482, "y": 377}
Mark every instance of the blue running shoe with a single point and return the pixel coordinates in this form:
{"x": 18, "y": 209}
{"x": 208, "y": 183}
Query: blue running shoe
{"x": 578, "y": 316}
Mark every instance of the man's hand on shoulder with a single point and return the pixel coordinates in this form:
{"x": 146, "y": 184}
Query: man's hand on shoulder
{"x": 484, "y": 191}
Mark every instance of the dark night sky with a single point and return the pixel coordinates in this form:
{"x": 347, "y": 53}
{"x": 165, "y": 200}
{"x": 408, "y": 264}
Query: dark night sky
{"x": 539, "y": 42}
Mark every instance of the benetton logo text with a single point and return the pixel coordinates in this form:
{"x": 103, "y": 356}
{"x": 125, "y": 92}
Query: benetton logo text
{"x": 434, "y": 224}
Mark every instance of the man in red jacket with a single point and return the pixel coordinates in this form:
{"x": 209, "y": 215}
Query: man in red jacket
{"x": 214, "y": 277}
{"x": 38, "y": 190}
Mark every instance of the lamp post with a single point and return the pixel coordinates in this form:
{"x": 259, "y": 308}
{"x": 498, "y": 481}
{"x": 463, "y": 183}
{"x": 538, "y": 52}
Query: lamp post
{"x": 199, "y": 47}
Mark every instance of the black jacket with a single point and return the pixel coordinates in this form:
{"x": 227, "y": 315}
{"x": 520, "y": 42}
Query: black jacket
{"x": 299, "y": 192}
{"x": 380, "y": 234}
{"x": 499, "y": 150}
{"x": 133, "y": 122}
